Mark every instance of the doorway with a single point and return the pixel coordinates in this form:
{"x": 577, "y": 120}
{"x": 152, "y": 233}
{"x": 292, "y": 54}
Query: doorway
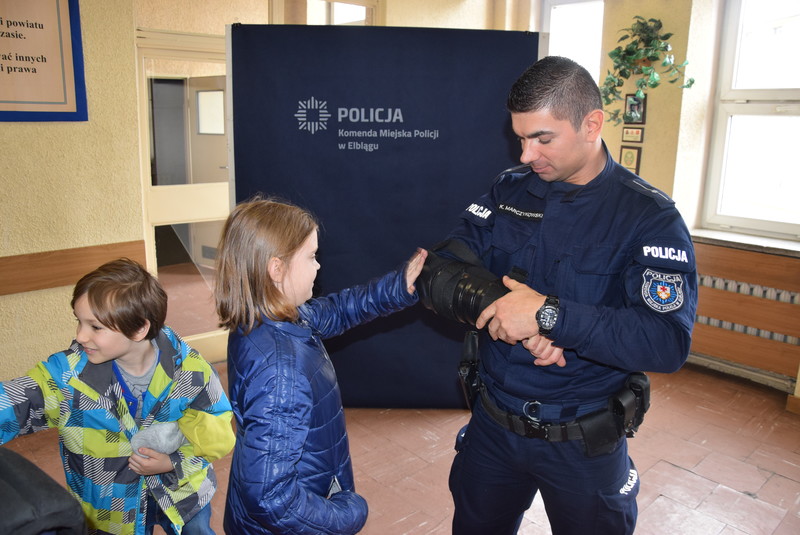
{"x": 185, "y": 175}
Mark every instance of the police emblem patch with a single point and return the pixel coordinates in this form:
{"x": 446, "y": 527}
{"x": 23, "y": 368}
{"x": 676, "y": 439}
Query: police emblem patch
{"x": 663, "y": 292}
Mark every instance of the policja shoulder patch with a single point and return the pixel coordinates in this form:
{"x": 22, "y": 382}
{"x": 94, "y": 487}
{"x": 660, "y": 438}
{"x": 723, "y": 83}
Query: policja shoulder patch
{"x": 663, "y": 292}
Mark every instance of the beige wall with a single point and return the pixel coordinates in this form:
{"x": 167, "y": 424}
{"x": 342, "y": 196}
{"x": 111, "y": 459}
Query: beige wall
{"x": 474, "y": 15}
{"x": 77, "y": 184}
{"x": 678, "y": 128}
{"x": 663, "y": 103}
{"x": 198, "y": 16}
{"x": 465, "y": 14}
{"x": 71, "y": 184}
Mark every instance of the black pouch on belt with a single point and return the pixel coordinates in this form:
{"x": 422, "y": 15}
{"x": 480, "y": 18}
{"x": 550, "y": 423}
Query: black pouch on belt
{"x": 625, "y": 413}
{"x": 601, "y": 432}
{"x": 639, "y": 384}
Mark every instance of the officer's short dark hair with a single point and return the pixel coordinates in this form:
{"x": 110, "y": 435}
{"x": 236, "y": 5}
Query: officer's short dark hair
{"x": 558, "y": 85}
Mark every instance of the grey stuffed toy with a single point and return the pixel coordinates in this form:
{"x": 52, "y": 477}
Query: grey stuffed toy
{"x": 164, "y": 438}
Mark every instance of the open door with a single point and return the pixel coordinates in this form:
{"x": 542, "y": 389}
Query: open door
{"x": 208, "y": 155}
{"x": 184, "y": 161}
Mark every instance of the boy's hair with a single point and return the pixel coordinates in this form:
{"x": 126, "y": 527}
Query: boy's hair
{"x": 255, "y": 232}
{"x": 558, "y": 85}
{"x": 123, "y": 295}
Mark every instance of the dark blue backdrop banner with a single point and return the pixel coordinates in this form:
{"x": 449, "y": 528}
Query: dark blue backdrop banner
{"x": 386, "y": 135}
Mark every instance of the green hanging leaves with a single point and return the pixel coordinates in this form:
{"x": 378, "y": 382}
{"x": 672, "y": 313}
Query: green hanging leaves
{"x": 647, "y": 46}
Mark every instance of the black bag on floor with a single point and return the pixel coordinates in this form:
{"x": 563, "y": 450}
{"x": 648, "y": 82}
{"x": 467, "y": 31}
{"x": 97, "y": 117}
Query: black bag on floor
{"x": 33, "y": 503}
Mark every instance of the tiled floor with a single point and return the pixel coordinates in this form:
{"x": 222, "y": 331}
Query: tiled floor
{"x": 190, "y": 308}
{"x": 717, "y": 456}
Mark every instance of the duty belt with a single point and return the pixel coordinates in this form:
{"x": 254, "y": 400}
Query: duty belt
{"x": 528, "y": 427}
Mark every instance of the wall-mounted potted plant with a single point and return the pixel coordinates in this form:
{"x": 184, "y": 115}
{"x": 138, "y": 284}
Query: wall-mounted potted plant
{"x": 641, "y": 50}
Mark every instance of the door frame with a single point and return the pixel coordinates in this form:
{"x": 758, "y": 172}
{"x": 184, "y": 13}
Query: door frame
{"x": 185, "y": 203}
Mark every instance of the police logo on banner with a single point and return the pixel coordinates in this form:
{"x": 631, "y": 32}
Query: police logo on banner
{"x": 312, "y": 115}
{"x": 663, "y": 292}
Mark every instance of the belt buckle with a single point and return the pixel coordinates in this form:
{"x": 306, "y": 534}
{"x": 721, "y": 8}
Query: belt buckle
{"x": 534, "y": 429}
{"x": 533, "y": 422}
{"x": 531, "y": 410}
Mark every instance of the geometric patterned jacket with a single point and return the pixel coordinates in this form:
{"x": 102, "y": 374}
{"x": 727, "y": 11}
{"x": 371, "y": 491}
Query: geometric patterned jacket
{"x": 85, "y": 402}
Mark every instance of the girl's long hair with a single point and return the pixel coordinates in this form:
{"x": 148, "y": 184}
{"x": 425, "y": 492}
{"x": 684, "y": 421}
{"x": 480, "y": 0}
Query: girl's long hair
{"x": 256, "y": 231}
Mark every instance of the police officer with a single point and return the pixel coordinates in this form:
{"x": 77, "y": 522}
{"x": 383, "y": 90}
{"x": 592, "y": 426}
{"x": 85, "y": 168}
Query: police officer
{"x": 610, "y": 288}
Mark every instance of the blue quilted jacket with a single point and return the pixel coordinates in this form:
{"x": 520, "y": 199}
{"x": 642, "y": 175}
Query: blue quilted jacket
{"x": 292, "y": 454}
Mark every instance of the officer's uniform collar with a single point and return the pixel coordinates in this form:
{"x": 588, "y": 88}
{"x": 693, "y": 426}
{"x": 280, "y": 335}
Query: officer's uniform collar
{"x": 540, "y": 188}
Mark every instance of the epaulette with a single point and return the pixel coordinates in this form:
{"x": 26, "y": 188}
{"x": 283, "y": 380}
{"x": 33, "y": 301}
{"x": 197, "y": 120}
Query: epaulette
{"x": 637, "y": 184}
{"x": 512, "y": 173}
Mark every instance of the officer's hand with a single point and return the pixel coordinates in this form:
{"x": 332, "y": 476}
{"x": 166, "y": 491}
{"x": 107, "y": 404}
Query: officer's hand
{"x": 155, "y": 462}
{"x": 544, "y": 352}
{"x": 414, "y": 268}
{"x": 513, "y": 316}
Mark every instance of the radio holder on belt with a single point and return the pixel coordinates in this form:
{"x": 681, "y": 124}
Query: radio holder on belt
{"x": 468, "y": 369}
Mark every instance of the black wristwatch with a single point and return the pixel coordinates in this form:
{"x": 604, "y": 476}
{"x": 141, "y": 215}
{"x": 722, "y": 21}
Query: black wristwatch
{"x": 547, "y": 315}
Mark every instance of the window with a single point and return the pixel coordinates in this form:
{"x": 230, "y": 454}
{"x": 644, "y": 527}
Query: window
{"x": 350, "y": 14}
{"x": 211, "y": 111}
{"x": 754, "y": 179}
{"x": 344, "y": 13}
{"x": 563, "y": 20}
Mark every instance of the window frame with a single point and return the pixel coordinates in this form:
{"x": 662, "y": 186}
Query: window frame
{"x": 730, "y": 102}
{"x": 376, "y": 10}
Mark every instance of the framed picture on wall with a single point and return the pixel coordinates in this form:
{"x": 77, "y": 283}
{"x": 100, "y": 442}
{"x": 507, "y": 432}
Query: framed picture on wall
{"x": 632, "y": 135}
{"x": 42, "y": 62}
{"x": 635, "y": 109}
{"x": 629, "y": 158}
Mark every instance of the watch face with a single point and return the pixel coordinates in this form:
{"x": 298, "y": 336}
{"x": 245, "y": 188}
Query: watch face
{"x": 547, "y": 317}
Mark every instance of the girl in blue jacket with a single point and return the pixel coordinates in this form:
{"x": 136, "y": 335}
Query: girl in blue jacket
{"x": 291, "y": 470}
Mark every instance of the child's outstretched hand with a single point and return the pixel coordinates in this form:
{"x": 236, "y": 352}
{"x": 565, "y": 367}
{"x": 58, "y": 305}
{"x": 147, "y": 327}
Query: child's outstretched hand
{"x": 155, "y": 462}
{"x": 414, "y": 268}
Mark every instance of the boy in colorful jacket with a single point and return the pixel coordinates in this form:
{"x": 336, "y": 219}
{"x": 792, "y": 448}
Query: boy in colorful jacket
{"x": 125, "y": 373}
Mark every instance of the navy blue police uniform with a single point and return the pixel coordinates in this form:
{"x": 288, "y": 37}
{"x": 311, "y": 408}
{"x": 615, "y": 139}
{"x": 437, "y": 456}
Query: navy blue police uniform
{"x": 619, "y": 258}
